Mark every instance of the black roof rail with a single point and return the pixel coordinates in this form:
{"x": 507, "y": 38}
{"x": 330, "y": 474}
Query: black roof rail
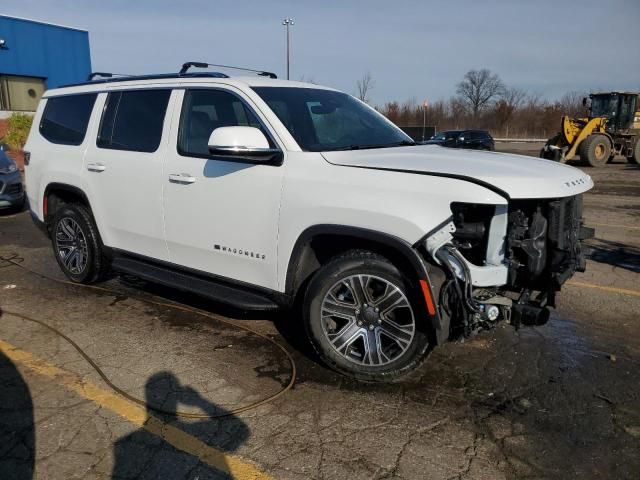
{"x": 93, "y": 75}
{"x": 187, "y": 65}
{"x": 115, "y": 77}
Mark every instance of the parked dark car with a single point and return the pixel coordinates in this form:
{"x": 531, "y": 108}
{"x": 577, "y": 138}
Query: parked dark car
{"x": 472, "y": 139}
{"x": 11, "y": 191}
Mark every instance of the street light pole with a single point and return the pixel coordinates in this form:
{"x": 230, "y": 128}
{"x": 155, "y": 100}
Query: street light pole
{"x": 287, "y": 22}
{"x": 424, "y": 118}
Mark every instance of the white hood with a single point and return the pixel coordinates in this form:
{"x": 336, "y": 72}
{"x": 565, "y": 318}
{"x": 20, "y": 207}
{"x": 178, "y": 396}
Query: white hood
{"x": 516, "y": 175}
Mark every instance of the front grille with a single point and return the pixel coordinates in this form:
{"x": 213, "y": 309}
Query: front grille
{"x": 565, "y": 223}
{"x": 14, "y": 189}
{"x": 544, "y": 247}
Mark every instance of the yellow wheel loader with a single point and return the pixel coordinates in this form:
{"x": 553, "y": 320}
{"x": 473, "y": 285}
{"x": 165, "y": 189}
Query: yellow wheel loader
{"x": 612, "y": 128}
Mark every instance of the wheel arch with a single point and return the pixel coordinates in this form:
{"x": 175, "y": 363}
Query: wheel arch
{"x": 57, "y": 194}
{"x": 318, "y": 243}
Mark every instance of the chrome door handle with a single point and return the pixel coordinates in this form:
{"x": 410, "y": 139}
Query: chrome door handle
{"x": 96, "y": 167}
{"x": 183, "y": 178}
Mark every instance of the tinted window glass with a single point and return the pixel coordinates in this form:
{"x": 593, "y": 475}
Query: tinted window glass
{"x": 323, "y": 120}
{"x": 205, "y": 110}
{"x": 65, "y": 119}
{"x": 133, "y": 120}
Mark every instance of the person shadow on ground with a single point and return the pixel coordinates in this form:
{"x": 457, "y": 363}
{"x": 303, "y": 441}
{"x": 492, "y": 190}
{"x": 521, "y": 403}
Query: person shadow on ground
{"x": 17, "y": 434}
{"x": 145, "y": 455}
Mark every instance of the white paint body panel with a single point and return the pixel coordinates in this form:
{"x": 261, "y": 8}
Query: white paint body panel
{"x": 516, "y": 175}
{"x": 126, "y": 197}
{"x": 230, "y": 204}
{"x": 263, "y": 209}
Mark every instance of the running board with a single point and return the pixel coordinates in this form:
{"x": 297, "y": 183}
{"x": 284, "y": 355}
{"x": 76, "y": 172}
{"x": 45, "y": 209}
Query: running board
{"x": 211, "y": 289}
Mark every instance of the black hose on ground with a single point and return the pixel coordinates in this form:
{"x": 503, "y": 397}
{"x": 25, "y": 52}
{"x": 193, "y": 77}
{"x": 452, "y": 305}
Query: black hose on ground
{"x": 14, "y": 260}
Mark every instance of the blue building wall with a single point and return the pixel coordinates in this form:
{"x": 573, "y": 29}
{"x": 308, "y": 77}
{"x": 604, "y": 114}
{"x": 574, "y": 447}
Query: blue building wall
{"x": 58, "y": 54}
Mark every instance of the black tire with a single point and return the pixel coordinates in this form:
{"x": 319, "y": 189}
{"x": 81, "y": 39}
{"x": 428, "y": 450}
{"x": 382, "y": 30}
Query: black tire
{"x": 581, "y": 153}
{"x": 596, "y": 150}
{"x": 87, "y": 240}
{"x": 551, "y": 154}
{"x": 401, "y": 359}
{"x": 635, "y": 158}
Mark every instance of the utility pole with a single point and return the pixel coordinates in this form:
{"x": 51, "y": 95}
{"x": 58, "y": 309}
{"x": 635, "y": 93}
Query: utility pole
{"x": 287, "y": 22}
{"x": 424, "y": 118}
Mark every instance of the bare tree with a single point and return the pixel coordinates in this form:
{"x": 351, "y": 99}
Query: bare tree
{"x": 478, "y": 88}
{"x": 514, "y": 96}
{"x": 571, "y": 103}
{"x": 510, "y": 101}
{"x": 365, "y": 84}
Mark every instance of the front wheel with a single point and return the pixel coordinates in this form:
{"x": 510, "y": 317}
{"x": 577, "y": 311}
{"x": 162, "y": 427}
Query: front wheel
{"x": 596, "y": 150}
{"x": 362, "y": 320}
{"x": 77, "y": 245}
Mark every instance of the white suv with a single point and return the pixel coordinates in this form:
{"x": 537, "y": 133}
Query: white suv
{"x": 259, "y": 192}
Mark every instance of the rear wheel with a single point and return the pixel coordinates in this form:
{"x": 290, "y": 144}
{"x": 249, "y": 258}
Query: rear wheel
{"x": 361, "y": 318}
{"x": 635, "y": 158}
{"x": 77, "y": 245}
{"x": 596, "y": 150}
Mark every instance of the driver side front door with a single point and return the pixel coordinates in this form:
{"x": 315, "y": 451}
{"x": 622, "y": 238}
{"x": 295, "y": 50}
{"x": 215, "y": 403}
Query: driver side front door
{"x": 221, "y": 216}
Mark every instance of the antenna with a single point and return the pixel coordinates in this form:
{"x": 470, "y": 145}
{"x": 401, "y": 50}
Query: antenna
{"x": 186, "y": 66}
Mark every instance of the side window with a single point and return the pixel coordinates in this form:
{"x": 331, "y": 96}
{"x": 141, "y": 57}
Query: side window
{"x": 133, "y": 120}
{"x": 204, "y": 110}
{"x": 65, "y": 119}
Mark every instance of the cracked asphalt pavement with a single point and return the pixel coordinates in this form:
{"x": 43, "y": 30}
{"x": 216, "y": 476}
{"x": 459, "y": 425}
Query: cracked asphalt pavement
{"x": 557, "y": 401}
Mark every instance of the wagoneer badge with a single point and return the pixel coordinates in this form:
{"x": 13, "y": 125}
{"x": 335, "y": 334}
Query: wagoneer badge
{"x": 239, "y": 251}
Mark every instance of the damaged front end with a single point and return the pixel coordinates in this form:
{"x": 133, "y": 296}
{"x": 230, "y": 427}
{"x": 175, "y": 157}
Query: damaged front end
{"x": 506, "y": 262}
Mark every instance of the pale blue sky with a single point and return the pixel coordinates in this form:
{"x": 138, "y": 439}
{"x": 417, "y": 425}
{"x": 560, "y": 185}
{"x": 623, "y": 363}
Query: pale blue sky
{"x": 413, "y": 48}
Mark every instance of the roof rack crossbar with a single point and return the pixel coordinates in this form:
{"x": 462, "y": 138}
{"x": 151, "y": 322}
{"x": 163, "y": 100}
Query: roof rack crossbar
{"x": 186, "y": 66}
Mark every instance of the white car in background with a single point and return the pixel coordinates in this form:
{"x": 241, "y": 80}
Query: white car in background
{"x": 267, "y": 194}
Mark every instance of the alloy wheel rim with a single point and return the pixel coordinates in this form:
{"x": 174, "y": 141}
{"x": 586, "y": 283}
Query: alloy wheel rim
{"x": 368, "y": 320}
{"x": 71, "y": 245}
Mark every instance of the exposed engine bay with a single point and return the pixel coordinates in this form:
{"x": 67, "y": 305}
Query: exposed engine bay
{"x": 507, "y": 262}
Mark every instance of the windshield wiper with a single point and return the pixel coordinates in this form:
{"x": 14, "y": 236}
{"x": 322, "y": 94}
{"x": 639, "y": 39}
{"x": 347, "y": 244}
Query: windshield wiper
{"x": 404, "y": 143}
{"x": 372, "y": 146}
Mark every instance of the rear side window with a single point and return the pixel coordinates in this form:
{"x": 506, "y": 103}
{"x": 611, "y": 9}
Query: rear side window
{"x": 65, "y": 119}
{"x": 133, "y": 120}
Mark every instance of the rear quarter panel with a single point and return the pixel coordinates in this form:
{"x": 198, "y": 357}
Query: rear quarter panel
{"x": 54, "y": 163}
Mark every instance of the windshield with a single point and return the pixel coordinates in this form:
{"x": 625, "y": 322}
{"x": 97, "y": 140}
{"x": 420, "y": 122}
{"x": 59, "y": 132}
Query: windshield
{"x": 324, "y": 120}
{"x": 604, "y": 105}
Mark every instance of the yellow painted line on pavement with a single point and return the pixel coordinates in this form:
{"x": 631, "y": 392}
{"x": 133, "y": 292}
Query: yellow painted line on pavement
{"x": 136, "y": 414}
{"x": 614, "y": 226}
{"x": 623, "y": 291}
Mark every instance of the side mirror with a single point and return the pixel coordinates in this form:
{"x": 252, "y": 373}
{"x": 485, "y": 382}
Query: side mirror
{"x": 246, "y": 143}
{"x": 584, "y": 101}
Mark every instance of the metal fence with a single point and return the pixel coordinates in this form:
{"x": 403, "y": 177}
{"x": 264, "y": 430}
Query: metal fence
{"x": 419, "y": 133}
